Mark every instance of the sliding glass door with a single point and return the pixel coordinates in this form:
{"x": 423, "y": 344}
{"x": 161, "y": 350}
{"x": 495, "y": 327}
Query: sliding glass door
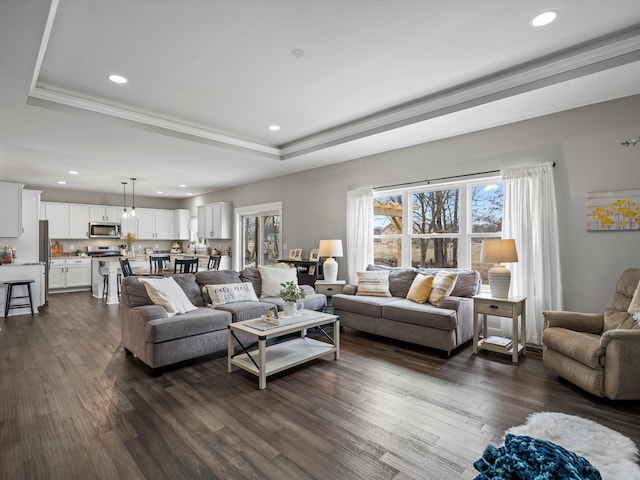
{"x": 260, "y": 238}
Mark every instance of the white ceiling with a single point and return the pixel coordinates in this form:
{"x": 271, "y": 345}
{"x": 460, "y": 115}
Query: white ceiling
{"x": 207, "y": 78}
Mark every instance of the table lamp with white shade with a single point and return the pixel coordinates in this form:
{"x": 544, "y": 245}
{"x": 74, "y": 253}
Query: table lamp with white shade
{"x": 330, "y": 249}
{"x": 498, "y": 252}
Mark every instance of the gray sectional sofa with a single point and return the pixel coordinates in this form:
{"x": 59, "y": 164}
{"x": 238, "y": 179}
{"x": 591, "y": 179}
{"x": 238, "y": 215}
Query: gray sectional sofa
{"x": 445, "y": 327}
{"x": 159, "y": 340}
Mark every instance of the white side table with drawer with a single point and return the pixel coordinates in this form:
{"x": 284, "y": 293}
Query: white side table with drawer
{"x": 511, "y": 307}
{"x": 329, "y": 289}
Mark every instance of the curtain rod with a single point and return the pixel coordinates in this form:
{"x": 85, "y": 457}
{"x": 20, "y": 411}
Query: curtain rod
{"x": 428, "y": 181}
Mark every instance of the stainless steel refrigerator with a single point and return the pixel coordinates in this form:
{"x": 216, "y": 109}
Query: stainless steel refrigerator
{"x": 44, "y": 246}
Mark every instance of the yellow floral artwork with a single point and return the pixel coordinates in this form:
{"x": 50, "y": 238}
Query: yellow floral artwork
{"x": 613, "y": 211}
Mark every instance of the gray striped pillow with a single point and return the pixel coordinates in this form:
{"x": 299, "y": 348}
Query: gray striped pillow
{"x": 373, "y": 284}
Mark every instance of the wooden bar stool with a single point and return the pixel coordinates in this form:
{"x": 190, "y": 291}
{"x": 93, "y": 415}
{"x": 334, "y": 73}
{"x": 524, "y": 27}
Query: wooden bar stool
{"x": 7, "y": 304}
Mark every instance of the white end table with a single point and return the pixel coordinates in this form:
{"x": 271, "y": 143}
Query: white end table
{"x": 511, "y": 307}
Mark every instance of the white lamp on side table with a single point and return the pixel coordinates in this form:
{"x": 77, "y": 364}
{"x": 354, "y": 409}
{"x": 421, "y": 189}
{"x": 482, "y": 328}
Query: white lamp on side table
{"x": 498, "y": 252}
{"x": 330, "y": 249}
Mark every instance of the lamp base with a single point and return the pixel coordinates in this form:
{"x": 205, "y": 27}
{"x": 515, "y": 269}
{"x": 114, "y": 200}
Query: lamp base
{"x": 330, "y": 269}
{"x": 499, "y": 281}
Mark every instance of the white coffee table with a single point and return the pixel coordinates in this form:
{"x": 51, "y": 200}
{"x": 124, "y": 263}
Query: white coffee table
{"x": 266, "y": 361}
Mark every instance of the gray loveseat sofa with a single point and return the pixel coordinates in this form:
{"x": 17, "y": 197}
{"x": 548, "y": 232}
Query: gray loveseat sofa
{"x": 159, "y": 340}
{"x": 445, "y": 327}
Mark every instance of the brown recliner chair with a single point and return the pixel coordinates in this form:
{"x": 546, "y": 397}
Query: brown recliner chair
{"x": 598, "y": 352}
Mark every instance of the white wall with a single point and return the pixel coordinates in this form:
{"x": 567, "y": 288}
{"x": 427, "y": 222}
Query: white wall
{"x": 584, "y": 143}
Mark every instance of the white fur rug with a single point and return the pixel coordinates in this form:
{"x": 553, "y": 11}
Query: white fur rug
{"x": 613, "y": 454}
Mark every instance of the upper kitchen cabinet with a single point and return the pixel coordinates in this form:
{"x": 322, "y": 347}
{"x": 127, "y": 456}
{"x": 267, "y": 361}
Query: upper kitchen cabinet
{"x": 181, "y": 220}
{"x": 11, "y": 211}
{"x": 100, "y": 213}
{"x": 66, "y": 220}
{"x": 154, "y": 224}
{"x": 214, "y": 221}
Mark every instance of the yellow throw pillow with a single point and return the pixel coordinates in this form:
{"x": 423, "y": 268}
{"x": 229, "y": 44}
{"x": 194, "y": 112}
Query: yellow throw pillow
{"x": 420, "y": 288}
{"x": 373, "y": 283}
{"x": 442, "y": 286}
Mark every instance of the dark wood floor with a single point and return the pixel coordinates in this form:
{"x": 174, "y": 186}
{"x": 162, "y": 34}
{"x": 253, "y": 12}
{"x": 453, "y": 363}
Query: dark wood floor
{"x": 73, "y": 406}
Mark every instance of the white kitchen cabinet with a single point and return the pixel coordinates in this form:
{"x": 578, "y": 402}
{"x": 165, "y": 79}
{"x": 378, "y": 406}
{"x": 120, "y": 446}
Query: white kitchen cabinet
{"x": 11, "y": 211}
{"x": 78, "y": 221}
{"x": 214, "y": 221}
{"x": 66, "y": 220}
{"x": 155, "y": 224}
{"x": 58, "y": 216}
{"x": 181, "y": 221}
{"x": 78, "y": 272}
{"x": 70, "y": 273}
{"x": 57, "y": 273}
{"x": 106, "y": 214}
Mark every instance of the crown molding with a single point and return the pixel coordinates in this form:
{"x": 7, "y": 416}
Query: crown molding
{"x": 591, "y": 57}
{"x": 608, "y": 52}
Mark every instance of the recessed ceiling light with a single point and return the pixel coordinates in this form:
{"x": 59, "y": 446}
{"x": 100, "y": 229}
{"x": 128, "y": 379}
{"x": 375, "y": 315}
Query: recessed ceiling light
{"x": 159, "y": 191}
{"x": 544, "y": 18}
{"x": 189, "y": 194}
{"x": 62, "y": 182}
{"x": 182, "y": 186}
{"x": 274, "y": 128}
{"x": 116, "y": 78}
{"x": 73, "y": 172}
{"x": 297, "y": 52}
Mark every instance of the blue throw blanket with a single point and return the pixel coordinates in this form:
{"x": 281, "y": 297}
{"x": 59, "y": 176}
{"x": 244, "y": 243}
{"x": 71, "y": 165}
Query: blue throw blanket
{"x": 526, "y": 458}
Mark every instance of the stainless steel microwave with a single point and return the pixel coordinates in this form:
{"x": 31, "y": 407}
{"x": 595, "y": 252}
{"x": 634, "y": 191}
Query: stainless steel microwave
{"x": 105, "y": 230}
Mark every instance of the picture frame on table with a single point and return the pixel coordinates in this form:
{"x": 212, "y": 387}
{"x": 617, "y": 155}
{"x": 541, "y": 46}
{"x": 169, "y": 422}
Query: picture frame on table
{"x": 314, "y": 256}
{"x": 272, "y": 313}
{"x": 295, "y": 254}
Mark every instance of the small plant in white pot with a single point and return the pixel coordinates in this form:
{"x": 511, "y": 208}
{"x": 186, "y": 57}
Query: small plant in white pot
{"x": 291, "y": 294}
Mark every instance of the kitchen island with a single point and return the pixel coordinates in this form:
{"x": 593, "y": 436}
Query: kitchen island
{"x": 113, "y": 266}
{"x": 23, "y": 270}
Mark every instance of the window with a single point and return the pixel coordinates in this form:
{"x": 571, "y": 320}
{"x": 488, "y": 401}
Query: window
{"x": 439, "y": 226}
{"x": 260, "y": 234}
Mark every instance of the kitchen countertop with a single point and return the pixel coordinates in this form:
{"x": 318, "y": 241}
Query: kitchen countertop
{"x": 21, "y": 263}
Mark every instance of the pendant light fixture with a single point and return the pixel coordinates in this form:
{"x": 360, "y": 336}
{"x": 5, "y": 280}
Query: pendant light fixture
{"x": 124, "y": 198}
{"x": 133, "y": 197}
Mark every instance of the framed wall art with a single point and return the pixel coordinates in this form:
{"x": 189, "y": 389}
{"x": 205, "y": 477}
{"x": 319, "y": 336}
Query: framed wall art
{"x": 613, "y": 211}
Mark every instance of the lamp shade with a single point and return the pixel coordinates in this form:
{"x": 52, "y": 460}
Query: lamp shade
{"x": 499, "y": 251}
{"x": 330, "y": 248}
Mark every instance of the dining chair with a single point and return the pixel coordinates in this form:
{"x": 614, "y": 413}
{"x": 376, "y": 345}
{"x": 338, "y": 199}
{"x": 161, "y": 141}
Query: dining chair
{"x": 185, "y": 265}
{"x": 214, "y": 262}
{"x": 125, "y": 266}
{"x": 158, "y": 263}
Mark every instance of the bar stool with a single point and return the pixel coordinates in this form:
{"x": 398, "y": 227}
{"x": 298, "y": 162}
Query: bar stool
{"x": 7, "y": 303}
{"x": 104, "y": 271}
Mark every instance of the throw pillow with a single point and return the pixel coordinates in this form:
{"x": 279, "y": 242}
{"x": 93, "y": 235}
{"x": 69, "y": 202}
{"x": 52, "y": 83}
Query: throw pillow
{"x": 373, "y": 284}
{"x": 272, "y": 278}
{"x": 634, "y": 306}
{"x": 420, "y": 288}
{"x": 443, "y": 285}
{"x": 231, "y": 292}
{"x": 166, "y": 292}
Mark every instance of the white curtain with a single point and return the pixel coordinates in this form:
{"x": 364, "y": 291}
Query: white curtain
{"x": 359, "y": 232}
{"x": 530, "y": 217}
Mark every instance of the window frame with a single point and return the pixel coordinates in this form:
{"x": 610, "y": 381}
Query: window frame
{"x": 464, "y": 235}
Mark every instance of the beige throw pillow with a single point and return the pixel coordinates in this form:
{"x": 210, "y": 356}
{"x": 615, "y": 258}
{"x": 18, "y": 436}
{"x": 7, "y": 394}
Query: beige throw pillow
{"x": 442, "y": 286}
{"x": 231, "y": 293}
{"x": 373, "y": 283}
{"x": 634, "y": 306}
{"x": 420, "y": 288}
{"x": 166, "y": 292}
{"x": 272, "y": 278}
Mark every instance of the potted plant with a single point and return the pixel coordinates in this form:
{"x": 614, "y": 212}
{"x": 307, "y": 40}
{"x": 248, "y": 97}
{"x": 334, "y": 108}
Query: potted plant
{"x": 291, "y": 293}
